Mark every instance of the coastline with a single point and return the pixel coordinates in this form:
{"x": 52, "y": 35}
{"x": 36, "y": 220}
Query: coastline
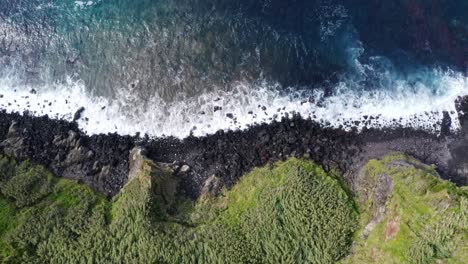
{"x": 102, "y": 161}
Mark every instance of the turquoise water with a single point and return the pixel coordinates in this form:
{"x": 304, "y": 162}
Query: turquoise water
{"x": 153, "y": 64}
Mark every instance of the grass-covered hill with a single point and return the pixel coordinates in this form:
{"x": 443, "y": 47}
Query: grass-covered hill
{"x": 291, "y": 212}
{"x": 409, "y": 215}
{"x": 288, "y": 212}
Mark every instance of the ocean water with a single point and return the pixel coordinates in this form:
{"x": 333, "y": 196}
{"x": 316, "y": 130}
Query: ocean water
{"x": 179, "y": 67}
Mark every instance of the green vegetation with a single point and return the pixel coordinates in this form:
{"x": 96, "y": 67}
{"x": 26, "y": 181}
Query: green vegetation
{"x": 290, "y": 212}
{"x": 41, "y": 216}
{"x": 423, "y": 219}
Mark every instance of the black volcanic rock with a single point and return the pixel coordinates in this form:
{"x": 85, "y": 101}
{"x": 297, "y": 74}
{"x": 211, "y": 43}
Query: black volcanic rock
{"x": 78, "y": 113}
{"x": 102, "y": 160}
{"x": 446, "y": 124}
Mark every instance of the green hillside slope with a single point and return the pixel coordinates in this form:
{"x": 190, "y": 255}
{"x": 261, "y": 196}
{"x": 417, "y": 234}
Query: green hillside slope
{"x": 288, "y": 212}
{"x": 409, "y": 215}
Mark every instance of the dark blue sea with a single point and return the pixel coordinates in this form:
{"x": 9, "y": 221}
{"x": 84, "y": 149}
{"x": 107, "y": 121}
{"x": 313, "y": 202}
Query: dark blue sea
{"x": 175, "y": 67}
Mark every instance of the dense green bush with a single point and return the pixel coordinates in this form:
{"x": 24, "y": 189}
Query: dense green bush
{"x": 7, "y": 168}
{"x": 27, "y": 184}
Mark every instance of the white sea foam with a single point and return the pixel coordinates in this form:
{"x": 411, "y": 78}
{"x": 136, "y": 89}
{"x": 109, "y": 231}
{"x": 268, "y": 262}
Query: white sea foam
{"x": 83, "y": 4}
{"x": 410, "y": 103}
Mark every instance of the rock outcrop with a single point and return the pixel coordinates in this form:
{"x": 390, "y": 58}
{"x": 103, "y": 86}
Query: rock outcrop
{"x": 100, "y": 161}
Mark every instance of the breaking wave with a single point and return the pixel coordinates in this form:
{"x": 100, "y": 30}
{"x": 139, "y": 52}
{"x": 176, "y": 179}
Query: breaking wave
{"x": 416, "y": 103}
{"x": 176, "y": 68}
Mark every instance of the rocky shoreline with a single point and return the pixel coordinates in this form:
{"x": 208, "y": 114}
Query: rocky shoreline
{"x": 215, "y": 161}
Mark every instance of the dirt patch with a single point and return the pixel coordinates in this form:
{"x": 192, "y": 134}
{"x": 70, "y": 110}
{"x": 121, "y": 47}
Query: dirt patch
{"x": 392, "y": 228}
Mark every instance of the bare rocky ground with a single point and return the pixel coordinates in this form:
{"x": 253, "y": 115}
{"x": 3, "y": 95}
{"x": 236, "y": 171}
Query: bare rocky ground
{"x": 215, "y": 161}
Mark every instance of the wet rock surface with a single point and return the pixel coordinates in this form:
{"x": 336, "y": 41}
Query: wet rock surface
{"x": 206, "y": 164}
{"x": 100, "y": 161}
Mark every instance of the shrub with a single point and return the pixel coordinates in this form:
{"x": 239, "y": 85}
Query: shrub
{"x": 27, "y": 185}
{"x": 7, "y": 168}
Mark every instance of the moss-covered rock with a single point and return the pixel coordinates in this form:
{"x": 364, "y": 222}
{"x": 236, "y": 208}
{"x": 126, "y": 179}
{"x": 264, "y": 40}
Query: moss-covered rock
{"x": 409, "y": 215}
